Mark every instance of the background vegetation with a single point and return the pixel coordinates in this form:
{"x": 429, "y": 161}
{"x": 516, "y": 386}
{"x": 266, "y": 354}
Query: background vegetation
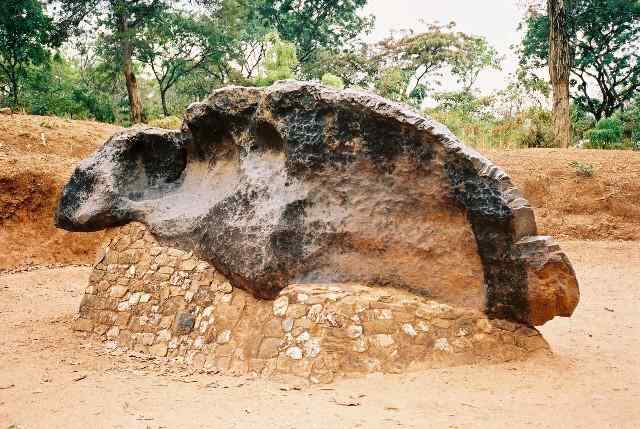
{"x": 127, "y": 61}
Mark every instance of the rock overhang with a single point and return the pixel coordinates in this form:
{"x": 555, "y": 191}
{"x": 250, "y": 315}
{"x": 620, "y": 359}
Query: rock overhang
{"x": 301, "y": 183}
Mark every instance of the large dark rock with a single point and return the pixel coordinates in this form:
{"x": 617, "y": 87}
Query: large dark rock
{"x": 301, "y": 183}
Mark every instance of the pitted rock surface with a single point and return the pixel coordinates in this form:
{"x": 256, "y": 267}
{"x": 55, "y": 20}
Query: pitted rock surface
{"x": 299, "y": 183}
{"x": 168, "y": 303}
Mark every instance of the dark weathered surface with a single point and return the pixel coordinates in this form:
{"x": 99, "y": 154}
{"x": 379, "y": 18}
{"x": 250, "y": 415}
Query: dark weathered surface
{"x": 301, "y": 183}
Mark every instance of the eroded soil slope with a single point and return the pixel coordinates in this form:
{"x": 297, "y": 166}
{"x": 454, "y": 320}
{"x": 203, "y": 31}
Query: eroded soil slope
{"x": 37, "y": 155}
{"x": 605, "y": 206}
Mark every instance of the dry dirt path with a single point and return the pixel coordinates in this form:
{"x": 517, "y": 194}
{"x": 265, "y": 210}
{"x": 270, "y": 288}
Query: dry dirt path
{"x": 53, "y": 378}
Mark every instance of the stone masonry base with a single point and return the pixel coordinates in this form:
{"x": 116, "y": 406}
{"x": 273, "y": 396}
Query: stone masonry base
{"x": 168, "y": 303}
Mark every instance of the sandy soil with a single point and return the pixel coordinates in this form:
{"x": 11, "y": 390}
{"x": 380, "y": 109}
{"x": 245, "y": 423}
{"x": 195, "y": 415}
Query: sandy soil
{"x": 51, "y": 377}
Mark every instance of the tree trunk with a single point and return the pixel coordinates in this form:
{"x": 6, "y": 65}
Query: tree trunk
{"x": 561, "y": 114}
{"x": 14, "y": 93}
{"x": 559, "y": 71}
{"x": 163, "y": 98}
{"x": 135, "y": 103}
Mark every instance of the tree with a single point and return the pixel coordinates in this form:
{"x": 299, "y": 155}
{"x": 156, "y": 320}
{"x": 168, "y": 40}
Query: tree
{"x": 173, "y": 45}
{"x": 312, "y": 25}
{"x": 56, "y": 88}
{"x": 127, "y": 19}
{"x": 246, "y": 34}
{"x": 560, "y": 59}
{"x": 392, "y": 83}
{"x": 353, "y": 65}
{"x": 523, "y": 90}
{"x": 124, "y": 20}
{"x": 99, "y": 75}
{"x": 25, "y": 34}
{"x": 418, "y": 55}
{"x": 604, "y": 38}
{"x": 463, "y": 102}
{"x": 474, "y": 56}
{"x": 280, "y": 60}
{"x": 419, "y": 59}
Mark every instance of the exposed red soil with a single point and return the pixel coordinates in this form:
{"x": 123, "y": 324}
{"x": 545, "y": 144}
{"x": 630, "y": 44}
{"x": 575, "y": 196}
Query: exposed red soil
{"x": 605, "y": 206}
{"x": 37, "y": 154}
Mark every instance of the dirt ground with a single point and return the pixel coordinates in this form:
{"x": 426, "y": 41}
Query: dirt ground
{"x": 51, "y": 377}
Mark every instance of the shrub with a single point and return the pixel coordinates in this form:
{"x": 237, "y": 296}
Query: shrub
{"x": 332, "y": 81}
{"x": 631, "y": 124}
{"x": 169, "y": 122}
{"x": 581, "y": 122}
{"x": 536, "y": 130}
{"x": 607, "y": 134}
{"x": 530, "y": 129}
{"x": 582, "y": 169}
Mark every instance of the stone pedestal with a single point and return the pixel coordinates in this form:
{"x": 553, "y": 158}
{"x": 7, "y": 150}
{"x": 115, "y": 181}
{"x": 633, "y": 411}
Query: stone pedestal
{"x": 167, "y": 302}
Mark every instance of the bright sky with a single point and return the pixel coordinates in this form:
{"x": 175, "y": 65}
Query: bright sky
{"x": 496, "y": 20}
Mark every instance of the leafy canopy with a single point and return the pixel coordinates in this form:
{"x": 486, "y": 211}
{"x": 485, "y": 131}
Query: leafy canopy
{"x": 312, "y": 25}
{"x": 474, "y": 55}
{"x": 25, "y": 34}
{"x": 280, "y": 60}
{"x": 173, "y": 44}
{"x": 417, "y": 61}
{"x": 605, "y": 39}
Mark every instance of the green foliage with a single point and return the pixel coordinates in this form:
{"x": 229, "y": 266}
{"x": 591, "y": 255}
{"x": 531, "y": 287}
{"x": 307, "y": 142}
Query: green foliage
{"x": 607, "y": 134}
{"x": 352, "y": 65}
{"x": 464, "y": 102}
{"x": 280, "y": 60}
{"x": 530, "y": 128}
{"x": 418, "y": 60}
{"x": 25, "y": 34}
{"x": 313, "y": 25}
{"x": 582, "y": 169}
{"x": 415, "y": 57}
{"x": 392, "y": 84}
{"x": 523, "y": 89}
{"x": 604, "y": 36}
{"x": 474, "y": 56}
{"x": 472, "y": 131}
{"x": 630, "y": 118}
{"x": 536, "y": 130}
{"x": 120, "y": 24}
{"x": 332, "y": 81}
{"x": 581, "y": 122}
{"x": 619, "y": 131}
{"x": 56, "y": 88}
{"x": 174, "y": 44}
{"x": 168, "y": 122}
